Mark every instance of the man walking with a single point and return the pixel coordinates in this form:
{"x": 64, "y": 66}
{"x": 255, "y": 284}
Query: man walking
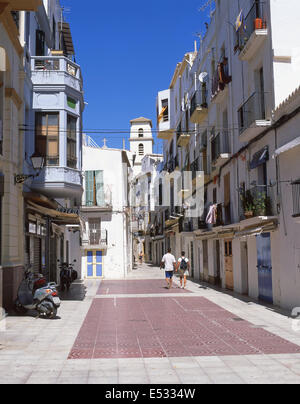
{"x": 183, "y": 266}
{"x": 168, "y": 262}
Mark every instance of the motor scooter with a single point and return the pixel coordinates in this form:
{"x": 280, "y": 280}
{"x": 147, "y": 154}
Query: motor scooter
{"x": 67, "y": 275}
{"x": 35, "y": 293}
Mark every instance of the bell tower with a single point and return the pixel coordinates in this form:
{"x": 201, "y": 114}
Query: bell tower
{"x": 141, "y": 141}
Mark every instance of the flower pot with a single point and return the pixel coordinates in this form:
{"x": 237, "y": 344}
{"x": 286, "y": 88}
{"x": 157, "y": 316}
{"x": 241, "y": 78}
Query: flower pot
{"x": 258, "y": 23}
{"x": 248, "y": 214}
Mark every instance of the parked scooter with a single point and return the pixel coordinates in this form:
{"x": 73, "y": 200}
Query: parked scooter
{"x": 67, "y": 275}
{"x": 36, "y": 294}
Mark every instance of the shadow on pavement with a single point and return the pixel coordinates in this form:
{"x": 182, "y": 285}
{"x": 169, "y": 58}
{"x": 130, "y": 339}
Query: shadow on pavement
{"x": 77, "y": 292}
{"x": 243, "y": 298}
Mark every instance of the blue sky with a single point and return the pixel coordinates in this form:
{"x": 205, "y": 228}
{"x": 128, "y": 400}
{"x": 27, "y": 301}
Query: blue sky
{"x": 128, "y": 51}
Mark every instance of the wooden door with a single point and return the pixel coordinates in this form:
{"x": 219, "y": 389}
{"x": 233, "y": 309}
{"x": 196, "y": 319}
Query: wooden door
{"x": 228, "y": 265}
{"x": 205, "y": 260}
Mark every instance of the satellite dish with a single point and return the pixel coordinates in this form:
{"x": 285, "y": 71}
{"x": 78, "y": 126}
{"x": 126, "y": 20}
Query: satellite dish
{"x": 203, "y": 77}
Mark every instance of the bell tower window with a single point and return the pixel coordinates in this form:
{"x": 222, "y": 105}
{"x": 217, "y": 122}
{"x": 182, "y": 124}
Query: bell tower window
{"x": 141, "y": 150}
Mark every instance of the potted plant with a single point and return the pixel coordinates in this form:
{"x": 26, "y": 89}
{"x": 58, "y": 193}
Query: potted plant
{"x": 260, "y": 203}
{"x": 248, "y": 204}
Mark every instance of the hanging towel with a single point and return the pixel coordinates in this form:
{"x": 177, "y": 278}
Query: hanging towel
{"x": 212, "y": 215}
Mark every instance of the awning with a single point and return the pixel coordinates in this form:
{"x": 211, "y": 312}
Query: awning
{"x": 58, "y": 217}
{"x": 260, "y": 158}
{"x": 68, "y": 41}
{"x": 256, "y": 231}
{"x": 289, "y": 146}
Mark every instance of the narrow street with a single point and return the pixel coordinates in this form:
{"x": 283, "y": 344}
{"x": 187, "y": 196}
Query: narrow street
{"x": 137, "y": 331}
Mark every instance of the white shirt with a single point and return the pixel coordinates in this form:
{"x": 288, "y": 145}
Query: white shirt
{"x": 169, "y": 260}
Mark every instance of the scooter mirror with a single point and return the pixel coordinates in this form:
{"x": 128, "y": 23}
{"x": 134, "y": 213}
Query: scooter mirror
{"x": 75, "y": 261}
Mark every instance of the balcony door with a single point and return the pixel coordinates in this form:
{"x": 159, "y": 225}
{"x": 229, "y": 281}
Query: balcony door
{"x": 94, "y": 264}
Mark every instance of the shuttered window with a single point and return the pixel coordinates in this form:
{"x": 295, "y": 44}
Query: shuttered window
{"x": 94, "y": 188}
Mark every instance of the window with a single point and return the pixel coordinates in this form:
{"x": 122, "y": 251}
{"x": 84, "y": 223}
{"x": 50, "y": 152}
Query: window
{"x": 141, "y": 132}
{"x": 94, "y": 189}
{"x": 71, "y": 142}
{"x": 141, "y": 149}
{"x": 47, "y": 137}
{"x": 40, "y": 43}
{"x": 165, "y": 109}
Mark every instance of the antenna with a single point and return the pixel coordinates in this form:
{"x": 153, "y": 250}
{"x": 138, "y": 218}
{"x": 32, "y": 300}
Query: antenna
{"x": 208, "y": 3}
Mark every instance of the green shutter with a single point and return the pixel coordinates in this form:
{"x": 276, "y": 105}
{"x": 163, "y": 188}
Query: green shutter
{"x": 99, "y": 188}
{"x": 89, "y": 188}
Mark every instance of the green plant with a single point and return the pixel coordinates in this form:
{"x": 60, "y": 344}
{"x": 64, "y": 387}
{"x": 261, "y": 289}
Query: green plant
{"x": 247, "y": 201}
{"x": 261, "y": 203}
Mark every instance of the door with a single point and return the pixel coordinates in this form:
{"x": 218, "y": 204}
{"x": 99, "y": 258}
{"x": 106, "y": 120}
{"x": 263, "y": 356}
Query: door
{"x": 244, "y": 268}
{"x": 205, "y": 260}
{"x": 264, "y": 267}
{"x": 94, "y": 264}
{"x": 228, "y": 264}
{"x": 218, "y": 263}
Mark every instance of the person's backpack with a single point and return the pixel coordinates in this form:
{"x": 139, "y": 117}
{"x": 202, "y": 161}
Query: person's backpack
{"x": 183, "y": 264}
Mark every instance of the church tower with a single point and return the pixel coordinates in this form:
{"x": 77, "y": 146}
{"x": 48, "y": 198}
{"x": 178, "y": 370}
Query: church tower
{"x": 141, "y": 141}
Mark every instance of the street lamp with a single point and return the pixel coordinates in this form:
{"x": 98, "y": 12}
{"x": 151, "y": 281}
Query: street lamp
{"x": 37, "y": 162}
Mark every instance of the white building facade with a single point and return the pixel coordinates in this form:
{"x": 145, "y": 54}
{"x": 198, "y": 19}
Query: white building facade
{"x": 223, "y": 118}
{"x": 105, "y": 211}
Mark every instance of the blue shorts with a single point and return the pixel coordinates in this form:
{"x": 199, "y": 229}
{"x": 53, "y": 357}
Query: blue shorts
{"x": 169, "y": 274}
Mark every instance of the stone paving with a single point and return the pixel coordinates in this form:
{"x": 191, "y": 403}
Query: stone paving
{"x": 150, "y": 335}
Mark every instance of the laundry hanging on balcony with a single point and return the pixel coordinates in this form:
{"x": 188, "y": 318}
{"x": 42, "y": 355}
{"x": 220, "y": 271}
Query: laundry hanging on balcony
{"x": 211, "y": 217}
{"x": 239, "y": 21}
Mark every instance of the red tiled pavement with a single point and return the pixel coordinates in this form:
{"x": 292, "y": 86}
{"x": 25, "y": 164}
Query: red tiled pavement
{"x": 137, "y": 287}
{"x": 169, "y": 327}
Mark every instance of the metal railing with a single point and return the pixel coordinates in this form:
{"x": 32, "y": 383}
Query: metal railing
{"x": 259, "y": 200}
{"x": 255, "y": 20}
{"x": 97, "y": 237}
{"x": 252, "y": 110}
{"x": 220, "y": 145}
{"x": 55, "y": 63}
{"x": 199, "y": 99}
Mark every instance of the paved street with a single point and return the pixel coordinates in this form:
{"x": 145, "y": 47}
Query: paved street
{"x": 137, "y": 331}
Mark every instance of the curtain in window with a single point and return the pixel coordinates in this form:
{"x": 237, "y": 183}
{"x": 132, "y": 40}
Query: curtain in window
{"x": 100, "y": 199}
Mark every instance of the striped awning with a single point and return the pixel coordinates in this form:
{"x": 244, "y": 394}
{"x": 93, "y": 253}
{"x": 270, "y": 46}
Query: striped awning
{"x": 67, "y": 37}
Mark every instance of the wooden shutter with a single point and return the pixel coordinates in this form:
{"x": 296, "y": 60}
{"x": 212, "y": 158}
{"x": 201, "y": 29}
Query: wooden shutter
{"x": 227, "y": 189}
{"x": 89, "y": 188}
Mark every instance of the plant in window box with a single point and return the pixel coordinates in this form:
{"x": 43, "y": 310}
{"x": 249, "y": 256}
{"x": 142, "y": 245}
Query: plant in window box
{"x": 248, "y": 204}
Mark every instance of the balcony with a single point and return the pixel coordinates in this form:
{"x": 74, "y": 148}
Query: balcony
{"x": 258, "y": 202}
{"x": 220, "y": 149}
{"x": 183, "y": 140}
{"x": 253, "y": 33}
{"x": 98, "y": 240}
{"x": 252, "y": 116}
{"x": 59, "y": 182}
{"x": 103, "y": 204}
{"x": 221, "y": 79}
{"x": 55, "y": 71}
{"x": 199, "y": 107}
